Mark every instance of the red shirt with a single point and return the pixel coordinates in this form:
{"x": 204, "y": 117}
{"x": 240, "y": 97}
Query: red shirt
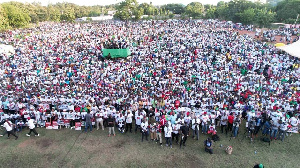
{"x": 177, "y": 103}
{"x": 230, "y": 119}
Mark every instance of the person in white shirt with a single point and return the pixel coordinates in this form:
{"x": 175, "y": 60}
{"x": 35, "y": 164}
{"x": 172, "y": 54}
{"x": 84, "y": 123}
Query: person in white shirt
{"x": 204, "y": 120}
{"x": 31, "y": 127}
{"x": 99, "y": 120}
{"x": 168, "y": 134}
{"x": 9, "y": 127}
{"x": 144, "y": 129}
{"x": 138, "y": 119}
{"x": 195, "y": 126}
{"x": 129, "y": 121}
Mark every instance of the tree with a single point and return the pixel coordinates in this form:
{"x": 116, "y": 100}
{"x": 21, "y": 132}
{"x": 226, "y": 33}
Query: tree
{"x": 210, "y": 12}
{"x": 127, "y": 10}
{"x": 264, "y": 17}
{"x": 16, "y": 17}
{"x": 247, "y": 16}
{"x": 68, "y": 14}
{"x": 287, "y": 10}
{"x": 4, "y": 21}
{"x": 194, "y": 9}
{"x": 175, "y": 8}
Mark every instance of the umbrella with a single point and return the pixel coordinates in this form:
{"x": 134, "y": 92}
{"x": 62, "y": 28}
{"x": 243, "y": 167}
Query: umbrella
{"x": 279, "y": 44}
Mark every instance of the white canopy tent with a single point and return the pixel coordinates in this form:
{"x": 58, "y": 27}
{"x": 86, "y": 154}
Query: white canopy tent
{"x": 293, "y": 49}
{"x": 6, "y": 49}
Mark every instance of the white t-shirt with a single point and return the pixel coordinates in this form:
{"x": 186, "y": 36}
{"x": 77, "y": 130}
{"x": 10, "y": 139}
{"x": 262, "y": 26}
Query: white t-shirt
{"x": 7, "y": 126}
{"x": 129, "y": 118}
{"x": 138, "y": 119}
{"x": 204, "y": 119}
{"x": 30, "y": 124}
{"x": 294, "y": 121}
{"x": 168, "y": 131}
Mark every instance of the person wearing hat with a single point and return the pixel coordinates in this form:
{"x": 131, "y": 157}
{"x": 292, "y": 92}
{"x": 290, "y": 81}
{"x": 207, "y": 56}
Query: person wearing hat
{"x": 31, "y": 127}
{"x": 9, "y": 129}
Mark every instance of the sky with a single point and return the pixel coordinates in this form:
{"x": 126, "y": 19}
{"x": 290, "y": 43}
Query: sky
{"x": 108, "y": 2}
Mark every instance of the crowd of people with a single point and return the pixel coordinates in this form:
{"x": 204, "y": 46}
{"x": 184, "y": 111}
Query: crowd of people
{"x": 182, "y": 78}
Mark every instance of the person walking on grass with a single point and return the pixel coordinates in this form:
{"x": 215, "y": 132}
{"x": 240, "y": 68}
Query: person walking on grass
{"x": 9, "y": 129}
{"x": 111, "y": 124}
{"x": 31, "y": 127}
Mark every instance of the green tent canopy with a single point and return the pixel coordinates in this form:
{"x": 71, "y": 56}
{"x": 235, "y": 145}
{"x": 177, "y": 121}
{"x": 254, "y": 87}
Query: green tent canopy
{"x": 116, "y": 53}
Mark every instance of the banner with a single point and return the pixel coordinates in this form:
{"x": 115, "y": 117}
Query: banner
{"x": 54, "y": 125}
{"x": 48, "y": 125}
{"x": 78, "y": 126}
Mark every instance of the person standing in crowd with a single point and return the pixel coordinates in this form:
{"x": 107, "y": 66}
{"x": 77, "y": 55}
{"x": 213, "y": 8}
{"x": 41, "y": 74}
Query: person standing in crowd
{"x": 88, "y": 122}
{"x": 99, "y": 120}
{"x": 153, "y": 131}
{"x": 158, "y": 133}
{"x": 204, "y": 120}
{"x": 251, "y": 128}
{"x": 168, "y": 134}
{"x": 230, "y": 122}
{"x": 129, "y": 121}
{"x": 31, "y": 126}
{"x": 9, "y": 129}
{"x": 111, "y": 124}
{"x": 224, "y": 123}
{"x": 138, "y": 121}
{"x": 175, "y": 133}
{"x": 274, "y": 125}
{"x": 144, "y": 129}
{"x": 283, "y": 127}
{"x": 195, "y": 127}
{"x": 236, "y": 125}
{"x": 184, "y": 130}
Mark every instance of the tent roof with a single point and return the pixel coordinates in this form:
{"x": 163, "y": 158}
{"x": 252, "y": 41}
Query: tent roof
{"x": 293, "y": 49}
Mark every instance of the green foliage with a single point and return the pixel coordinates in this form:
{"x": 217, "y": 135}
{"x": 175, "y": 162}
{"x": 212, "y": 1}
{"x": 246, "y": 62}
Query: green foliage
{"x": 17, "y": 14}
{"x": 128, "y": 9}
{"x": 247, "y": 16}
{"x": 68, "y": 14}
{"x": 287, "y": 10}
{"x": 175, "y": 8}
{"x": 16, "y": 17}
{"x": 264, "y": 17}
{"x": 210, "y": 12}
{"x": 194, "y": 9}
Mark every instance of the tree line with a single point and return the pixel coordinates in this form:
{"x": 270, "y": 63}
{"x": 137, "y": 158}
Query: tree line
{"x": 18, "y": 15}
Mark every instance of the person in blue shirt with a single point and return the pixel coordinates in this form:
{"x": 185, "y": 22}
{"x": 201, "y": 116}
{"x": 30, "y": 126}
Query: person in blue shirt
{"x": 267, "y": 127}
{"x": 5, "y": 106}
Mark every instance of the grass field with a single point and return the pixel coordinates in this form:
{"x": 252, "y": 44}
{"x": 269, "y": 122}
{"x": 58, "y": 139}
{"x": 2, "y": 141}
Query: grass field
{"x": 70, "y": 148}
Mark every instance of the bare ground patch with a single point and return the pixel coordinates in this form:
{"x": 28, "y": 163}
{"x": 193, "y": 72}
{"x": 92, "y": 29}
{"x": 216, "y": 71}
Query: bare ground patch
{"x": 26, "y": 143}
{"x": 44, "y": 143}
